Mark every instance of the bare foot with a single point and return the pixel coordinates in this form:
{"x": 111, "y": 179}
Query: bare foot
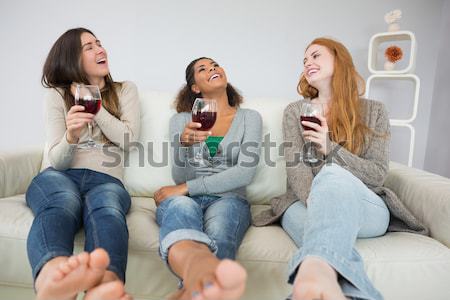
{"x": 230, "y": 282}
{"x": 63, "y": 278}
{"x": 316, "y": 279}
{"x": 208, "y": 278}
{"x": 113, "y": 290}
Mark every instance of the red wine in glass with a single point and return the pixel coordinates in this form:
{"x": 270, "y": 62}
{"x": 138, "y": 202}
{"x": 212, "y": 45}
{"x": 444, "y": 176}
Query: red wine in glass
{"x": 90, "y": 98}
{"x": 206, "y": 118}
{"x": 309, "y": 112}
{"x": 204, "y": 111}
{"x": 91, "y": 106}
{"x": 309, "y": 119}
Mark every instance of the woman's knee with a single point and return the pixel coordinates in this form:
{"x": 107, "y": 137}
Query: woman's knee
{"x": 181, "y": 208}
{"x": 53, "y": 180}
{"x": 232, "y": 203}
{"x": 228, "y": 219}
{"x": 333, "y": 171}
{"x": 335, "y": 187}
{"x": 53, "y": 189}
{"x": 229, "y": 210}
{"x": 336, "y": 177}
{"x": 110, "y": 195}
{"x": 181, "y": 203}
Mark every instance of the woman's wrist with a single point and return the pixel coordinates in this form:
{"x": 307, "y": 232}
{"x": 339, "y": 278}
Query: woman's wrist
{"x": 184, "y": 188}
{"x": 70, "y": 139}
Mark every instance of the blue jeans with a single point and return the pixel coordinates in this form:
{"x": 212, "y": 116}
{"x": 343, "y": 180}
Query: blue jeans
{"x": 340, "y": 209}
{"x": 218, "y": 222}
{"x": 64, "y": 201}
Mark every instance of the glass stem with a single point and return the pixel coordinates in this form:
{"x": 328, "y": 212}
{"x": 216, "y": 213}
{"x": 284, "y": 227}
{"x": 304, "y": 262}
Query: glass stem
{"x": 90, "y": 140}
{"x": 200, "y": 151}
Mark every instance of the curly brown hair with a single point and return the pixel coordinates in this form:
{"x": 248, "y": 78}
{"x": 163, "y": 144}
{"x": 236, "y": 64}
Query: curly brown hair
{"x": 186, "y": 97}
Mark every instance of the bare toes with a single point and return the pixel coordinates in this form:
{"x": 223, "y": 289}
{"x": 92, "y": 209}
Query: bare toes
{"x": 112, "y": 290}
{"x": 58, "y": 274}
{"x": 83, "y": 258}
{"x": 229, "y": 282}
{"x": 65, "y": 268}
{"x": 208, "y": 281}
{"x": 73, "y": 262}
{"x": 99, "y": 259}
{"x": 213, "y": 292}
{"x": 230, "y": 274}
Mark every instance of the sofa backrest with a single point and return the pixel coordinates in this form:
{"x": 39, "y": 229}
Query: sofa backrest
{"x": 149, "y": 168}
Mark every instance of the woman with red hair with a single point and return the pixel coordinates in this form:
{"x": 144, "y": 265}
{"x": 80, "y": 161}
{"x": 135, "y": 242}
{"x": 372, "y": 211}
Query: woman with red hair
{"x": 332, "y": 202}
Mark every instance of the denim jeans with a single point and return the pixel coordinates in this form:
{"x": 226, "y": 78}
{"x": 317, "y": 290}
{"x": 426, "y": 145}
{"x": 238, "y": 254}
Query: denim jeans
{"x": 218, "y": 222}
{"x": 64, "y": 201}
{"x": 341, "y": 208}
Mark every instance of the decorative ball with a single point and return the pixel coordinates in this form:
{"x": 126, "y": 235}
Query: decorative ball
{"x": 393, "y": 54}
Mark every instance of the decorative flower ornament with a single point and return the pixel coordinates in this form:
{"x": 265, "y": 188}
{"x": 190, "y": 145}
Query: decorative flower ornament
{"x": 392, "y": 19}
{"x": 392, "y": 54}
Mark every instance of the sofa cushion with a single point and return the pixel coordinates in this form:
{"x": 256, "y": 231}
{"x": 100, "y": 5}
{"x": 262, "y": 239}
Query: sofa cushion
{"x": 426, "y": 195}
{"x": 17, "y": 169}
{"x": 149, "y": 168}
{"x": 397, "y": 263}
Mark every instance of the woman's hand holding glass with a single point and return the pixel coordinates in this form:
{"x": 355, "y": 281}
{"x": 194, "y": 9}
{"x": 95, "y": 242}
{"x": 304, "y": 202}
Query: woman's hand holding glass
{"x": 319, "y": 134}
{"x": 192, "y": 135}
{"x": 76, "y": 121}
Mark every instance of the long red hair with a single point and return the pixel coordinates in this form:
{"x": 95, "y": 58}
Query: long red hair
{"x": 344, "y": 117}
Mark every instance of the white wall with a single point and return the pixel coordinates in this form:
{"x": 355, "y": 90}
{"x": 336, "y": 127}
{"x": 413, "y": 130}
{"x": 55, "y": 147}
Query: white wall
{"x": 437, "y": 158}
{"x": 260, "y": 43}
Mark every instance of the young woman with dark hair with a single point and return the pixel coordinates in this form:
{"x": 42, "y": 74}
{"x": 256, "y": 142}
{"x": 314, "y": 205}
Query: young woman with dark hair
{"x": 204, "y": 217}
{"x": 81, "y": 188}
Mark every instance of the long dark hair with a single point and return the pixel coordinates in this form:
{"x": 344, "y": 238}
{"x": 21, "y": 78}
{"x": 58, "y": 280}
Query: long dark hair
{"x": 63, "y": 67}
{"x": 186, "y": 97}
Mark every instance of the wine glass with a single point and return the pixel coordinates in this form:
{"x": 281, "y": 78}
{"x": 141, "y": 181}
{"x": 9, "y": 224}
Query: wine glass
{"x": 90, "y": 97}
{"x": 204, "y": 111}
{"x": 309, "y": 112}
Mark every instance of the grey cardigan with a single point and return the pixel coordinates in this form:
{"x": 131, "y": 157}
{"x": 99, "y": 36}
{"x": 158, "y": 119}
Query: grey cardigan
{"x": 234, "y": 165}
{"x": 370, "y": 167}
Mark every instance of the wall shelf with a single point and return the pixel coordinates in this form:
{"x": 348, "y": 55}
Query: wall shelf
{"x": 410, "y": 77}
{"x": 396, "y": 36}
{"x": 401, "y": 74}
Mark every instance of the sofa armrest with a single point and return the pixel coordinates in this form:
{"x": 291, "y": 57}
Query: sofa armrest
{"x": 17, "y": 169}
{"x": 427, "y": 196}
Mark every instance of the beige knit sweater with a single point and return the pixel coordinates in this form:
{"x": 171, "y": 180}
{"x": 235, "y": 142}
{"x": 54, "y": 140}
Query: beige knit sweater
{"x": 370, "y": 167}
{"x": 109, "y": 160}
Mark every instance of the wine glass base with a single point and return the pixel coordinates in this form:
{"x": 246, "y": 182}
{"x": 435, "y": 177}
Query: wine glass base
{"x": 88, "y": 146}
{"x": 311, "y": 160}
{"x": 194, "y": 162}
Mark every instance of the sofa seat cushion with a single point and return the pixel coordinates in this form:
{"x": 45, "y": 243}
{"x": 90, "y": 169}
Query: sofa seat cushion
{"x": 407, "y": 266}
{"x": 397, "y": 263}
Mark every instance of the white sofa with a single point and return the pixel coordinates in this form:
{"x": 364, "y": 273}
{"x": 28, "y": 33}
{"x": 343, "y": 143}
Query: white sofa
{"x": 401, "y": 265}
